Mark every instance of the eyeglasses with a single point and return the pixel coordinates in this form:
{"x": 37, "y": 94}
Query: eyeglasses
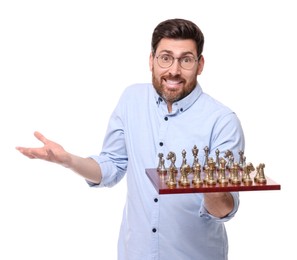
{"x": 186, "y": 62}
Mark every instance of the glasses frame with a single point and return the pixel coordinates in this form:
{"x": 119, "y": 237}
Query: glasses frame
{"x": 178, "y": 59}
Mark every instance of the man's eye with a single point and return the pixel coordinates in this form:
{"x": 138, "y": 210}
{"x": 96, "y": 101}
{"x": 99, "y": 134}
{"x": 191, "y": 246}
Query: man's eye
{"x": 165, "y": 58}
{"x": 186, "y": 59}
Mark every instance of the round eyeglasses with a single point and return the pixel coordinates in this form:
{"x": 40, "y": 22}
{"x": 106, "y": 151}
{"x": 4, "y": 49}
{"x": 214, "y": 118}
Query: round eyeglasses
{"x": 166, "y": 60}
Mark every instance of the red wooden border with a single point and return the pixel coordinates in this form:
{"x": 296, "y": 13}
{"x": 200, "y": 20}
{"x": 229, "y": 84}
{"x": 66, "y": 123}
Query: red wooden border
{"x": 159, "y": 182}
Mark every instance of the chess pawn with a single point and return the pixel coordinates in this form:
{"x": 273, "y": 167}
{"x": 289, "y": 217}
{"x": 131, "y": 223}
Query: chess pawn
{"x": 211, "y": 171}
{"x": 235, "y": 174}
{"x": 247, "y": 169}
{"x": 257, "y": 175}
{"x": 222, "y": 173}
{"x": 185, "y": 170}
{"x": 197, "y": 175}
{"x": 160, "y": 155}
{"x": 162, "y": 169}
{"x": 171, "y": 181}
{"x": 206, "y": 176}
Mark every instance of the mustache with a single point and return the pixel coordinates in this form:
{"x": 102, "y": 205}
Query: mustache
{"x": 176, "y": 78}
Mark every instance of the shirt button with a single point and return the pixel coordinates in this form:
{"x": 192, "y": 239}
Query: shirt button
{"x": 154, "y": 230}
{"x": 181, "y": 110}
{"x": 155, "y": 200}
{"x": 166, "y": 118}
{"x": 161, "y": 143}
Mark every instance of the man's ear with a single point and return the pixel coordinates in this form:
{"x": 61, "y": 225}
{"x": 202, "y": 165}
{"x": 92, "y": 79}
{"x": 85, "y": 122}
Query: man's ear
{"x": 200, "y": 65}
{"x": 151, "y": 61}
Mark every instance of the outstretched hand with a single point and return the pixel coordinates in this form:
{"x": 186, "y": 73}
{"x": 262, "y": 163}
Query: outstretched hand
{"x": 51, "y": 151}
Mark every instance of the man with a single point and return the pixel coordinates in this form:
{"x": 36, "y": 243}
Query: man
{"x": 172, "y": 114}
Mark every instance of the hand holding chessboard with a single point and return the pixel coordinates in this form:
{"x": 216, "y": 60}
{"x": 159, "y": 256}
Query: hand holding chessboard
{"x": 219, "y": 175}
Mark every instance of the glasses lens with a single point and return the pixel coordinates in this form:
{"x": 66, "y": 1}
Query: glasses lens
{"x": 187, "y": 62}
{"x": 165, "y": 60}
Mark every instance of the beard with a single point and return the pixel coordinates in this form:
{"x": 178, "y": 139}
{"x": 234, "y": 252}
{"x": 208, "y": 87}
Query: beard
{"x": 173, "y": 95}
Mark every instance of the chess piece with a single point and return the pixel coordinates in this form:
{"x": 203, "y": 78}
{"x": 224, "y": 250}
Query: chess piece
{"x": 172, "y": 157}
{"x": 246, "y": 177}
{"x": 184, "y": 160}
{"x": 184, "y": 171}
{"x": 197, "y": 174}
{"x": 244, "y": 161}
{"x": 206, "y": 154}
{"x": 222, "y": 173}
{"x": 162, "y": 170}
{"x": 160, "y": 155}
{"x": 230, "y": 158}
{"x": 210, "y": 172}
{"x": 241, "y": 160}
{"x": 195, "y": 151}
{"x": 171, "y": 181}
{"x": 235, "y": 179}
{"x": 260, "y": 176}
{"x": 206, "y": 171}
{"x": 217, "y": 159}
{"x": 230, "y": 162}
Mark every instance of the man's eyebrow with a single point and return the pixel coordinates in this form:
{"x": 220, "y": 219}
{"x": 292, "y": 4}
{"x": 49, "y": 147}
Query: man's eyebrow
{"x": 181, "y": 55}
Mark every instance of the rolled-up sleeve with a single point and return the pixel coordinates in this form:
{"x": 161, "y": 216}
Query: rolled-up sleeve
{"x": 111, "y": 174}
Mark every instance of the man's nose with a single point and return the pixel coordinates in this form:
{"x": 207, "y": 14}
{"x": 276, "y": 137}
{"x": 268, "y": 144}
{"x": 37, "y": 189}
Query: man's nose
{"x": 175, "y": 68}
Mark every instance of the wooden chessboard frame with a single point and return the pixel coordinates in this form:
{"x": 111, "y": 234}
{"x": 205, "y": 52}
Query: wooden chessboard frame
{"x": 159, "y": 182}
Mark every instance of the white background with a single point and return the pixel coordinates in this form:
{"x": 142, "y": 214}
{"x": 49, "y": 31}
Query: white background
{"x": 63, "y": 65}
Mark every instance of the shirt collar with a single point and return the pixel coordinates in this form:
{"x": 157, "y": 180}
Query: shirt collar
{"x": 183, "y": 104}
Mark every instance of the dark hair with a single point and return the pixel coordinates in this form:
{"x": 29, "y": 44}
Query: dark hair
{"x": 178, "y": 29}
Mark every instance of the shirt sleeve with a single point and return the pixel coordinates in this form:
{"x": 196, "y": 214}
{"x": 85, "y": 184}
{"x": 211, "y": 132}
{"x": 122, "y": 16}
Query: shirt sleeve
{"x": 113, "y": 159}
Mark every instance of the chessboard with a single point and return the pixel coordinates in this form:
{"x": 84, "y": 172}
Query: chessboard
{"x": 222, "y": 174}
{"x": 160, "y": 182}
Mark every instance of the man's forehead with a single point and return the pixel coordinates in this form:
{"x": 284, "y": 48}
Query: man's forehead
{"x": 177, "y": 46}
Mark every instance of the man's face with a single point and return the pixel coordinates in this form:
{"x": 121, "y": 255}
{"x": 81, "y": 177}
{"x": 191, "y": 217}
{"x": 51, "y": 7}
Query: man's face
{"x": 174, "y": 83}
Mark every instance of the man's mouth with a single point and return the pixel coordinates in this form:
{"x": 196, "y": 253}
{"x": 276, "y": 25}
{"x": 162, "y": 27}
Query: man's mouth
{"x": 173, "y": 83}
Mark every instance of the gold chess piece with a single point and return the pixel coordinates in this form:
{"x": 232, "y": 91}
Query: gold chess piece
{"x": 211, "y": 171}
{"x": 229, "y": 157}
{"x": 246, "y": 177}
{"x": 206, "y": 154}
{"x": 260, "y": 176}
{"x": 184, "y": 171}
{"x": 161, "y": 169}
{"x": 171, "y": 181}
{"x": 217, "y": 159}
{"x": 206, "y": 170}
{"x": 172, "y": 157}
{"x": 197, "y": 174}
{"x": 184, "y": 160}
{"x": 241, "y": 159}
{"x": 235, "y": 179}
{"x": 222, "y": 172}
{"x": 160, "y": 155}
{"x": 195, "y": 152}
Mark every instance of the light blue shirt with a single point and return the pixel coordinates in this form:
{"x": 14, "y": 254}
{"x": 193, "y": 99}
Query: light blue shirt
{"x": 177, "y": 226}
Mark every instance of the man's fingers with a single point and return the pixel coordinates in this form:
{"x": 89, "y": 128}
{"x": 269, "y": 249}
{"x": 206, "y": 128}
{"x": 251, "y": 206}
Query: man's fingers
{"x": 40, "y": 137}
